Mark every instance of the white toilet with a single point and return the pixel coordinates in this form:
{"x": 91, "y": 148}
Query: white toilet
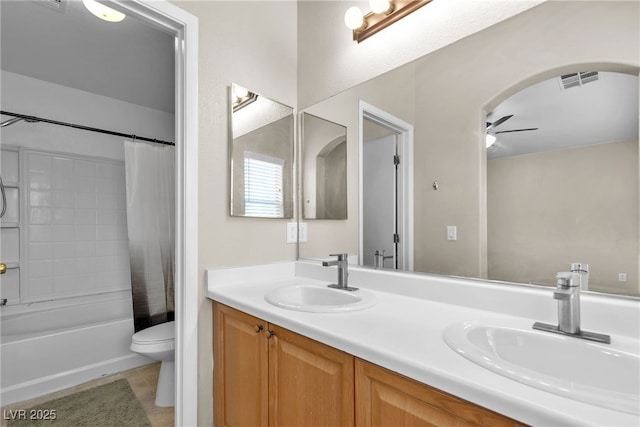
{"x": 158, "y": 343}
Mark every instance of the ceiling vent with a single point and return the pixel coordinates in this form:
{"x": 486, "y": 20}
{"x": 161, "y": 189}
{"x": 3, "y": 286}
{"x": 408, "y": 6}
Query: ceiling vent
{"x": 578, "y": 79}
{"x": 57, "y": 5}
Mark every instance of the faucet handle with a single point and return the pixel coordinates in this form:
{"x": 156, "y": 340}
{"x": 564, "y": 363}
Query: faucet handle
{"x": 565, "y": 279}
{"x": 341, "y": 257}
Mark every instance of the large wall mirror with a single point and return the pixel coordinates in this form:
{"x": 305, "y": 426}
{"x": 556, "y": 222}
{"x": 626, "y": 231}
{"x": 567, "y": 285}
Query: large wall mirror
{"x": 261, "y": 150}
{"x": 560, "y": 184}
{"x": 323, "y": 161}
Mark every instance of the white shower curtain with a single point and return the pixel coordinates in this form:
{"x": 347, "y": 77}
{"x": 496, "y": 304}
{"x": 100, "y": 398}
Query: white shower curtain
{"x": 150, "y": 182}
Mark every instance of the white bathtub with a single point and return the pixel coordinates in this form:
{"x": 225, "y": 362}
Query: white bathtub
{"x": 46, "y": 347}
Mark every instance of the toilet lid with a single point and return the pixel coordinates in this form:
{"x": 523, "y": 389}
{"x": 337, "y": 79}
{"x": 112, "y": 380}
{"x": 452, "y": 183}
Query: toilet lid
{"x": 155, "y": 334}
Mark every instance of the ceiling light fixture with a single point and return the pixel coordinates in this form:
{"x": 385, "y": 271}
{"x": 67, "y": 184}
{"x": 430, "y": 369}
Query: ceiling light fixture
{"x": 383, "y": 13}
{"x": 103, "y": 12}
{"x": 490, "y": 139}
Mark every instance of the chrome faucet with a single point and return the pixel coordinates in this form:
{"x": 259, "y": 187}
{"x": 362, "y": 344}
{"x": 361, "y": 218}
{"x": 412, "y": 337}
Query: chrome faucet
{"x": 379, "y": 257}
{"x": 343, "y": 272}
{"x": 568, "y": 295}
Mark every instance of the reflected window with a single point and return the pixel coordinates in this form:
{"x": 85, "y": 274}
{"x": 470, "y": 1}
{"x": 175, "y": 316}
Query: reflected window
{"x": 263, "y": 182}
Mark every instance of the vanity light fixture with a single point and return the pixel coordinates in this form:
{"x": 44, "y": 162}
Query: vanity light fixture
{"x": 383, "y": 13}
{"x": 491, "y": 139}
{"x": 241, "y": 97}
{"x": 103, "y": 12}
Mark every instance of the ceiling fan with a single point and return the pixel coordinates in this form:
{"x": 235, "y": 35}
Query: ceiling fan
{"x": 501, "y": 120}
{"x": 491, "y": 132}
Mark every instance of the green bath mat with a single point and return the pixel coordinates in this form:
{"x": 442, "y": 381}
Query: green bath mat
{"x": 108, "y": 405}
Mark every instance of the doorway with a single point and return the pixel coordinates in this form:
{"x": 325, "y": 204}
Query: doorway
{"x": 386, "y": 190}
{"x": 184, "y": 26}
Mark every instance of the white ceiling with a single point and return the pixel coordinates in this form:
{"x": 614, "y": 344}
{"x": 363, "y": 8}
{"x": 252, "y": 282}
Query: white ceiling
{"x": 602, "y": 111}
{"x": 128, "y": 60}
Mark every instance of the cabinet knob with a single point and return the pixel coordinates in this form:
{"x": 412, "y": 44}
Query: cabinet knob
{"x": 259, "y": 328}
{"x": 270, "y": 334}
{"x": 3, "y": 268}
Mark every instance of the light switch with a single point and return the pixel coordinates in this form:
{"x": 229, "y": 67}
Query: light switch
{"x": 452, "y": 232}
{"x": 292, "y": 232}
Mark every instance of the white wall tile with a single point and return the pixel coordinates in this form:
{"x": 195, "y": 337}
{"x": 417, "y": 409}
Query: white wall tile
{"x": 40, "y": 233}
{"x": 64, "y": 216}
{"x": 40, "y": 198}
{"x": 40, "y": 216}
{"x": 77, "y": 228}
{"x": 40, "y": 251}
{"x": 84, "y": 168}
{"x": 63, "y": 250}
{"x": 39, "y": 181}
{"x": 39, "y": 163}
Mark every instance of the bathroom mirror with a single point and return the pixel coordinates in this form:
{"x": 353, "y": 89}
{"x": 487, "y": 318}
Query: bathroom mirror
{"x": 261, "y": 150}
{"x": 323, "y": 159}
{"x": 449, "y": 96}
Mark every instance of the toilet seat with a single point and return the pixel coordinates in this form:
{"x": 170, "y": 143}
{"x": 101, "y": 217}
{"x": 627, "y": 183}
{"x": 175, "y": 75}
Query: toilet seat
{"x": 156, "y": 334}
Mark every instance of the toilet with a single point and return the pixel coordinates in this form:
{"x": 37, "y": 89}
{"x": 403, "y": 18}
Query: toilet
{"x": 158, "y": 343}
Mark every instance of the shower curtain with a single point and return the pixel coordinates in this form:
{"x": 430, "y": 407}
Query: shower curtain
{"x": 150, "y": 222}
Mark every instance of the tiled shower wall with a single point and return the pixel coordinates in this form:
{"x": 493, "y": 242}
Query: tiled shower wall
{"x": 75, "y": 228}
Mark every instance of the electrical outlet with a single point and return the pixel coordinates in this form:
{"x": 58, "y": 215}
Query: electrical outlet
{"x": 303, "y": 233}
{"x": 622, "y": 277}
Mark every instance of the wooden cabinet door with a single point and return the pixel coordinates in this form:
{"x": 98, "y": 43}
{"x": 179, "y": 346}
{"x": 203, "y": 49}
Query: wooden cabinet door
{"x": 240, "y": 372}
{"x": 385, "y": 398}
{"x": 310, "y": 384}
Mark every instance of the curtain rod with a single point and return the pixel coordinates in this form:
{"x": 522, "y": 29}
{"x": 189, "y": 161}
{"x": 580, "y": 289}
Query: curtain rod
{"x": 75, "y": 126}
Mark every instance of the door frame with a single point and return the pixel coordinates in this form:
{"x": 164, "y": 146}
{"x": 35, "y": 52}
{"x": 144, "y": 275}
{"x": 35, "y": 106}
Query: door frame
{"x": 171, "y": 19}
{"x": 405, "y": 150}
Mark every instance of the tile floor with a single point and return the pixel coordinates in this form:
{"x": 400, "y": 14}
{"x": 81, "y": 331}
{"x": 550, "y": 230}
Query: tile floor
{"x": 143, "y": 382}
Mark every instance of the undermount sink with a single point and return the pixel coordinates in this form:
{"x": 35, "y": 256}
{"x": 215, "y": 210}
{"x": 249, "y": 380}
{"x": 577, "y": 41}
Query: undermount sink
{"x": 319, "y": 299}
{"x": 606, "y": 375}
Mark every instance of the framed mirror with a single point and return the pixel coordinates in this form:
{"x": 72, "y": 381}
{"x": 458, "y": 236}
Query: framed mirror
{"x": 261, "y": 150}
{"x": 323, "y": 161}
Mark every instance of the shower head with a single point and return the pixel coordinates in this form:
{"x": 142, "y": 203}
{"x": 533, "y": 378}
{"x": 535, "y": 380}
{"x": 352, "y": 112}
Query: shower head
{"x": 17, "y": 119}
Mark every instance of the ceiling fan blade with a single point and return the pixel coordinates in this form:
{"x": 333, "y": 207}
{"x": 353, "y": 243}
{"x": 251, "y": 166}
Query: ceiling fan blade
{"x": 499, "y": 121}
{"x": 515, "y": 130}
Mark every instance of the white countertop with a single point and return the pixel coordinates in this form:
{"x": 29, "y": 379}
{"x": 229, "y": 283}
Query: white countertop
{"x": 403, "y": 331}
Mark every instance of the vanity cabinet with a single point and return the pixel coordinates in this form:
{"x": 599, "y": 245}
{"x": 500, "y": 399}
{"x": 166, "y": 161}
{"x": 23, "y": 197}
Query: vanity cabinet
{"x": 265, "y": 375}
{"x": 385, "y": 398}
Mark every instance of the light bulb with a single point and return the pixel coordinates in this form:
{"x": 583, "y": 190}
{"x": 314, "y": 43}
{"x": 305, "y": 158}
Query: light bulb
{"x": 379, "y": 6}
{"x": 490, "y": 140}
{"x": 240, "y": 92}
{"x": 103, "y": 12}
{"x": 353, "y": 19}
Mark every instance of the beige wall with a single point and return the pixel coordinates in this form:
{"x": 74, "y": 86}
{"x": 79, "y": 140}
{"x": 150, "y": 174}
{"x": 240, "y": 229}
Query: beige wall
{"x": 252, "y": 44}
{"x": 547, "y": 210}
{"x": 331, "y": 62}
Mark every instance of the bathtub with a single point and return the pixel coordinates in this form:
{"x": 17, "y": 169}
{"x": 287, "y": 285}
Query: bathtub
{"x": 45, "y": 347}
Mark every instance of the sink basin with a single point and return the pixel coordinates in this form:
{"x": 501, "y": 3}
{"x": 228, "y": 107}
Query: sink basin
{"x": 319, "y": 299}
{"x": 606, "y": 375}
